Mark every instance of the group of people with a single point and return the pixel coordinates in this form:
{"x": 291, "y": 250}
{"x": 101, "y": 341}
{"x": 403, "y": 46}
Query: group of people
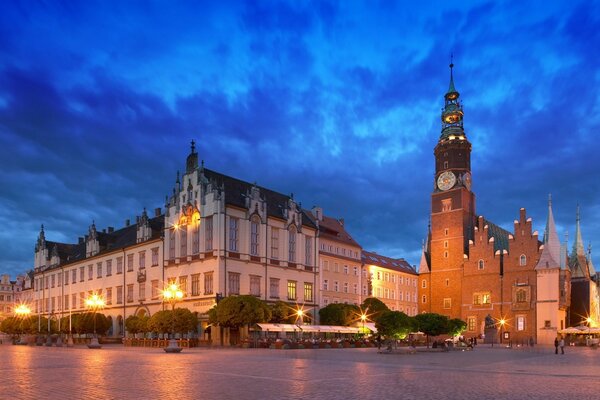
{"x": 559, "y": 343}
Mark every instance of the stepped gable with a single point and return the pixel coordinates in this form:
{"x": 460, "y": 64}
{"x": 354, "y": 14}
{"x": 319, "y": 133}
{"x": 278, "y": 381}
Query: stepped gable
{"x": 499, "y": 234}
{"x": 397, "y": 264}
{"x": 235, "y": 195}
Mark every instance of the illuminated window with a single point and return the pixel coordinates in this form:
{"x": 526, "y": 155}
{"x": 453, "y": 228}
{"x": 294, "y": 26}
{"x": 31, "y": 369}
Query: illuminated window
{"x": 522, "y": 260}
{"x": 308, "y": 292}
{"x": 486, "y": 298}
{"x": 480, "y": 264}
{"x": 471, "y": 324}
{"x": 291, "y": 290}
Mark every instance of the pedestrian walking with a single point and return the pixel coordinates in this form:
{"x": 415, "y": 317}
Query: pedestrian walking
{"x": 562, "y": 345}
{"x": 556, "y": 346}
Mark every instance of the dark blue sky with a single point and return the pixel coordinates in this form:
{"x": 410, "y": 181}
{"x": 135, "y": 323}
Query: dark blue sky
{"x": 337, "y": 102}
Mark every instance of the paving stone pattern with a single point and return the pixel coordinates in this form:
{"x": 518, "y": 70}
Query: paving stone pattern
{"x": 115, "y": 372}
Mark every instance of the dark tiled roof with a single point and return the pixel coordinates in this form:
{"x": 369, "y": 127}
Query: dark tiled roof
{"x": 398, "y": 264}
{"x": 236, "y": 191}
{"x": 500, "y": 235}
{"x": 109, "y": 241}
{"x": 331, "y": 228}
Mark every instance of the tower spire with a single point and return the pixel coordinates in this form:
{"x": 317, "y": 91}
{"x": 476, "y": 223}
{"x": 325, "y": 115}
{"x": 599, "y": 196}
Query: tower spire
{"x": 452, "y": 114}
{"x": 578, "y": 248}
{"x": 551, "y": 240}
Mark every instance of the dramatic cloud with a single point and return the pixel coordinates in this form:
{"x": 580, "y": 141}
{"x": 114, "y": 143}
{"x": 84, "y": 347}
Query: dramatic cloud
{"x": 337, "y": 102}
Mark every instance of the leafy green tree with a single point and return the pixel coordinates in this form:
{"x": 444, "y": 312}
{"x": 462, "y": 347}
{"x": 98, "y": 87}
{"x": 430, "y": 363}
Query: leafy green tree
{"x": 132, "y": 324}
{"x": 432, "y": 324}
{"x": 339, "y": 314}
{"x": 183, "y": 320}
{"x": 282, "y": 313}
{"x": 394, "y": 324}
{"x": 456, "y": 326}
{"x": 179, "y": 320}
{"x": 84, "y": 323}
{"x": 160, "y": 322}
{"x": 10, "y": 326}
{"x": 235, "y": 311}
{"x": 373, "y": 307}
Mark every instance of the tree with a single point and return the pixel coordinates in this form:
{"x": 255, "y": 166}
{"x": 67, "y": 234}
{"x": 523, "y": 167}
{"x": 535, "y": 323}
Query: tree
{"x": 160, "y": 322}
{"x": 282, "y": 313}
{"x": 432, "y": 324}
{"x": 132, "y": 324}
{"x": 373, "y": 307}
{"x": 235, "y": 311}
{"x": 456, "y": 326}
{"x": 339, "y": 314}
{"x": 394, "y": 324}
{"x": 84, "y": 323}
{"x": 183, "y": 320}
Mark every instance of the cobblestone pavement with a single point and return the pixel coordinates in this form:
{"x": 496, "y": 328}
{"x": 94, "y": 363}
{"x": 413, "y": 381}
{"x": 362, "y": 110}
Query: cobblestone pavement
{"x": 115, "y": 372}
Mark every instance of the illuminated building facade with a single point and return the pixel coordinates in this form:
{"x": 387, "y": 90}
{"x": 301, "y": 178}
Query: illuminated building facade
{"x": 471, "y": 268}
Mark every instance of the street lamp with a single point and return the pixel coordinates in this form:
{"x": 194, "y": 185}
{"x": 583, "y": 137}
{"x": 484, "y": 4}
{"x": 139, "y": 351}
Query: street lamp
{"x": 172, "y": 294}
{"x": 22, "y": 311}
{"x": 502, "y": 322}
{"x": 363, "y": 319}
{"x": 94, "y": 302}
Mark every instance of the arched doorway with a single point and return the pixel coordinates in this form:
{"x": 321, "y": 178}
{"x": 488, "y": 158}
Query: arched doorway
{"x": 111, "y": 327}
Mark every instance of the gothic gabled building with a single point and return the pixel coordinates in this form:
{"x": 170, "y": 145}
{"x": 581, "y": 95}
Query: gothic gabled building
{"x": 584, "y": 283}
{"x": 471, "y": 268}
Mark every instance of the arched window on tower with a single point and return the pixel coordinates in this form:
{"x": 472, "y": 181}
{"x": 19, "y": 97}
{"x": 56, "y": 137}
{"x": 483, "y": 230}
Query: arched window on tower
{"x": 523, "y": 260}
{"x": 481, "y": 264}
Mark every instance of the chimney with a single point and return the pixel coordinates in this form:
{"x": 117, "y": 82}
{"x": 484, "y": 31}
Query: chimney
{"x": 317, "y": 212}
{"x": 157, "y": 212}
{"x": 80, "y": 240}
{"x": 111, "y": 229}
{"x": 126, "y": 222}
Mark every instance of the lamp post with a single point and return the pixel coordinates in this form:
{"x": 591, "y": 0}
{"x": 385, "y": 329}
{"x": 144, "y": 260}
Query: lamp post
{"x": 172, "y": 294}
{"x": 502, "y": 322}
{"x": 94, "y": 302}
{"x": 363, "y": 319}
{"x": 589, "y": 321}
{"x": 22, "y": 311}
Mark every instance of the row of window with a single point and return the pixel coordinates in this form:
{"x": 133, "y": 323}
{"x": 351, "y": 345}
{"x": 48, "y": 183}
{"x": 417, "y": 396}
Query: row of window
{"x": 2, "y": 298}
{"x": 103, "y": 269}
{"x": 233, "y": 287}
{"x": 234, "y": 240}
{"x": 340, "y": 251}
{"x": 520, "y": 323}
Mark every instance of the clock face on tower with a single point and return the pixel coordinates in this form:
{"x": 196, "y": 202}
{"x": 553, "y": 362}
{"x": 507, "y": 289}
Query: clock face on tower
{"x": 446, "y": 180}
